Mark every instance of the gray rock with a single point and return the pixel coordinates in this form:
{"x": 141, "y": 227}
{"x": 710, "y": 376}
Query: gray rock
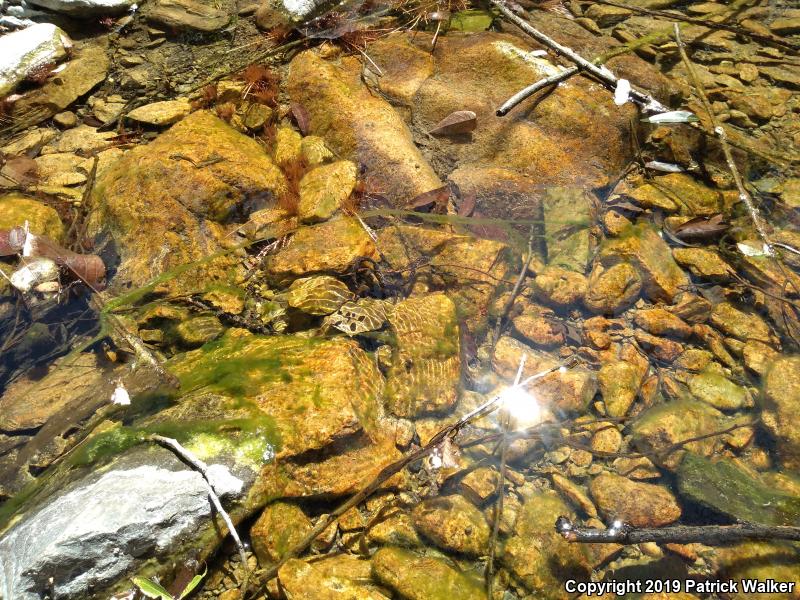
{"x": 103, "y": 526}
{"x": 86, "y": 8}
{"x": 26, "y": 51}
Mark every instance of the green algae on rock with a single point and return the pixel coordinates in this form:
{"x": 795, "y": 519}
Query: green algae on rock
{"x": 452, "y": 523}
{"x": 417, "y": 577}
{"x": 324, "y": 189}
{"x": 193, "y": 204}
{"x": 280, "y": 526}
{"x": 781, "y": 401}
{"x": 16, "y": 209}
{"x": 333, "y": 578}
{"x": 640, "y": 504}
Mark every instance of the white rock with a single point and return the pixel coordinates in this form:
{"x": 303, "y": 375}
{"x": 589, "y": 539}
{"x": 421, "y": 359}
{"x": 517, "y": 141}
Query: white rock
{"x": 26, "y": 50}
{"x": 86, "y": 8}
{"x": 223, "y": 481}
{"x": 34, "y": 272}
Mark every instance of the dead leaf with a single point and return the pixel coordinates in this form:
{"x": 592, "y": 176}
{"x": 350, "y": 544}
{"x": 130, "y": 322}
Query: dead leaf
{"x": 20, "y": 170}
{"x": 461, "y": 121}
{"x": 701, "y": 228}
{"x": 89, "y": 268}
{"x": 431, "y": 200}
{"x": 300, "y": 115}
{"x": 467, "y": 204}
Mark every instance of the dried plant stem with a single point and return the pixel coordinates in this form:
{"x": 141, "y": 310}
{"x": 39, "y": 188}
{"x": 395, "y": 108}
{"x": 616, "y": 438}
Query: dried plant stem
{"x": 679, "y": 534}
{"x": 498, "y": 330}
{"x": 646, "y": 102}
{"x": 202, "y": 468}
{"x": 529, "y": 91}
{"x": 394, "y": 468}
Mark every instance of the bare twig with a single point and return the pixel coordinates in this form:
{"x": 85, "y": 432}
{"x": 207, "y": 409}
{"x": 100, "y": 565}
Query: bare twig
{"x": 646, "y": 102}
{"x": 202, "y": 468}
{"x": 623, "y": 533}
{"x": 498, "y": 330}
{"x": 529, "y": 91}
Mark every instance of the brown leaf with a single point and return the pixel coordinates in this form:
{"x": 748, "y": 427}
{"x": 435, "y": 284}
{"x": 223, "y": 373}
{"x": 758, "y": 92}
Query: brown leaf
{"x": 701, "y": 228}
{"x": 20, "y": 170}
{"x": 300, "y": 115}
{"x": 467, "y": 204}
{"x": 431, "y": 200}
{"x": 461, "y": 121}
{"x": 89, "y": 268}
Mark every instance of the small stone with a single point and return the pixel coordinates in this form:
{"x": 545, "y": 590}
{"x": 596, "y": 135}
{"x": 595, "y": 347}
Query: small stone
{"x": 781, "y": 405}
{"x": 396, "y": 530}
{"x": 741, "y": 324}
{"x": 661, "y": 322}
{"x": 199, "y": 330}
{"x": 636, "y": 468}
{"x": 758, "y": 356}
{"x": 704, "y": 263}
{"x": 452, "y": 523}
{"x": 161, "y": 114}
{"x": 606, "y": 439}
{"x": 187, "y": 14}
{"x": 66, "y": 119}
{"x": 664, "y": 349}
{"x": 691, "y": 308}
{"x": 278, "y": 529}
{"x": 786, "y": 26}
{"x": 559, "y": 287}
{"x": 575, "y": 495}
{"x": 314, "y": 150}
{"x": 640, "y": 504}
{"x": 605, "y": 15}
{"x": 255, "y": 115}
{"x": 539, "y": 326}
{"x": 105, "y": 111}
{"x": 611, "y": 290}
{"x": 288, "y": 146}
{"x": 694, "y": 359}
{"x": 82, "y": 138}
{"x": 324, "y": 189}
{"x": 480, "y": 484}
{"x": 719, "y": 391}
{"x": 748, "y": 72}
{"x": 619, "y": 384}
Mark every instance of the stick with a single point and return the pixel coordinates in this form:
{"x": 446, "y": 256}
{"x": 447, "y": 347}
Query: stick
{"x": 394, "y": 468}
{"x": 514, "y": 293}
{"x": 623, "y": 533}
{"x": 529, "y": 91}
{"x": 201, "y": 467}
{"x": 646, "y": 102}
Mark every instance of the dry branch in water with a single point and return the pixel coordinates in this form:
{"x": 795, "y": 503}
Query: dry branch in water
{"x": 711, "y": 535}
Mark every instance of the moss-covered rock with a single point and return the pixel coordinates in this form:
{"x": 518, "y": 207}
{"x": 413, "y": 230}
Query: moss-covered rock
{"x": 760, "y": 562}
{"x": 781, "y": 405}
{"x": 619, "y": 383}
{"x": 678, "y": 192}
{"x": 538, "y": 556}
{"x": 611, "y": 290}
{"x": 165, "y": 208}
{"x": 426, "y": 365}
{"x": 16, "y": 209}
{"x": 280, "y": 526}
{"x": 719, "y": 391}
{"x": 452, "y": 523}
{"x": 741, "y": 324}
{"x": 728, "y": 489}
{"x": 640, "y": 504}
{"x": 336, "y": 577}
{"x": 416, "y": 577}
{"x": 324, "y": 189}
{"x": 359, "y": 125}
{"x": 640, "y": 245}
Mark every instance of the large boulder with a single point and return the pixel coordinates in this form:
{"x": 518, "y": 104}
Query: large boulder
{"x": 86, "y": 8}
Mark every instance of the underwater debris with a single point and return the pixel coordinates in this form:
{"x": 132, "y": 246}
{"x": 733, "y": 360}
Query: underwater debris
{"x": 456, "y": 123}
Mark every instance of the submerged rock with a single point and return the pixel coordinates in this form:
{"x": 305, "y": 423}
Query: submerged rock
{"x": 611, "y": 290}
{"x": 31, "y": 51}
{"x": 727, "y": 488}
{"x": 619, "y": 383}
{"x": 640, "y": 504}
{"x": 360, "y": 126}
{"x": 163, "y": 113}
{"x": 781, "y": 405}
{"x": 452, "y": 523}
{"x": 324, "y": 189}
{"x": 187, "y": 14}
{"x": 718, "y": 391}
{"x": 538, "y": 556}
{"x": 426, "y": 367}
{"x": 280, "y": 526}
{"x": 416, "y": 577}
{"x": 332, "y": 578}
{"x": 163, "y": 211}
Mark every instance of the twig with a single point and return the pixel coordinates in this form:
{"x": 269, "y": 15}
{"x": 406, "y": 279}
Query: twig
{"x": 646, "y": 102}
{"x": 514, "y": 293}
{"x": 202, "y": 468}
{"x": 397, "y": 466}
{"x": 623, "y": 533}
{"x": 529, "y": 91}
{"x": 498, "y": 507}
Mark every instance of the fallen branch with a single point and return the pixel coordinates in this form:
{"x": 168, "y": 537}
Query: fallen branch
{"x": 394, "y": 468}
{"x": 202, "y": 468}
{"x": 646, "y": 102}
{"x": 498, "y": 330}
{"x": 529, "y": 91}
{"x": 710, "y": 535}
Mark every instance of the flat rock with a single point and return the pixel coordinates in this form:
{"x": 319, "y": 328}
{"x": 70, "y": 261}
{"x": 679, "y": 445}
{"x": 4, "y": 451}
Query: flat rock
{"x": 781, "y": 403}
{"x": 187, "y": 14}
{"x": 640, "y": 504}
{"x": 362, "y": 127}
{"x": 163, "y": 113}
{"x": 416, "y": 577}
{"x": 85, "y": 8}
{"x": 452, "y": 523}
{"x": 27, "y": 51}
{"x": 194, "y": 205}
{"x": 87, "y": 67}
{"x": 324, "y": 189}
